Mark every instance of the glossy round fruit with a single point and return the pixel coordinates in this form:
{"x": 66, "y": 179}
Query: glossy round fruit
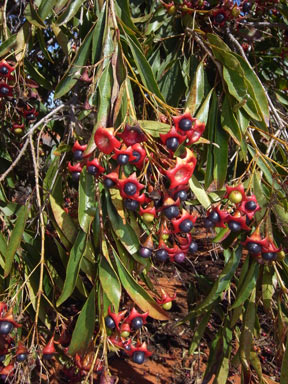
{"x": 208, "y": 223}
{"x": 4, "y": 70}
{"x": 182, "y": 195}
{"x": 254, "y": 248}
{"x": 130, "y": 204}
{"x": 138, "y": 357}
{"x": 246, "y": 7}
{"x": 167, "y": 306}
{"x": 172, "y": 143}
{"x": 172, "y": 10}
{"x": 109, "y": 322}
{"x": 30, "y": 116}
{"x": 250, "y": 205}
{"x": 214, "y": 217}
{"x": 137, "y": 156}
{"x": 75, "y": 176}
{"x": 122, "y": 159}
{"x": 186, "y": 226}
{"x": 4, "y": 91}
{"x": 165, "y": 236}
{"x": 130, "y": 189}
{"x": 145, "y": 252}
{"x": 219, "y": 18}
{"x": 137, "y": 323}
{"x": 171, "y": 212}
{"x": 179, "y": 257}
{"x": 185, "y": 125}
{"x": 161, "y": 255}
{"x": 234, "y": 226}
{"x": 109, "y": 183}
{"x": 235, "y": 197}
{"x": 5, "y": 327}
{"x": 77, "y": 155}
{"x": 125, "y": 334}
{"x": 193, "y": 247}
{"x": 92, "y": 170}
{"x": 148, "y": 217}
{"x": 280, "y": 255}
{"x": 269, "y": 256}
{"x": 21, "y": 357}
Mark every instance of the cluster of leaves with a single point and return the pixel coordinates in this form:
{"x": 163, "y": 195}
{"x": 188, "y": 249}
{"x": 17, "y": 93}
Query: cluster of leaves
{"x": 111, "y": 63}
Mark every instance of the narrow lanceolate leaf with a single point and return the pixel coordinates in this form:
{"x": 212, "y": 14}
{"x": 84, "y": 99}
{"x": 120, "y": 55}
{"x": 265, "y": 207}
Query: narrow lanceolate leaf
{"x": 73, "y": 267}
{"x": 229, "y": 122}
{"x": 61, "y": 38}
{"x": 3, "y": 249}
{"x": 220, "y": 156}
{"x": 33, "y": 17}
{"x": 154, "y": 128}
{"x": 223, "y": 372}
{"x": 248, "y": 285}
{"x": 37, "y": 76}
{"x": 84, "y": 327}
{"x": 138, "y": 294}
{"x": 212, "y": 114}
{"x": 15, "y": 239}
{"x": 74, "y": 71}
{"x": 284, "y": 370}
{"x": 196, "y": 94}
{"x": 8, "y": 44}
{"x": 110, "y": 283}
{"x": 203, "y": 112}
{"x": 63, "y": 219}
{"x": 69, "y": 12}
{"x": 46, "y": 8}
{"x": 199, "y": 332}
{"x": 199, "y": 192}
{"x": 86, "y": 205}
{"x": 267, "y": 287}
{"x": 97, "y": 39}
{"x": 220, "y": 285}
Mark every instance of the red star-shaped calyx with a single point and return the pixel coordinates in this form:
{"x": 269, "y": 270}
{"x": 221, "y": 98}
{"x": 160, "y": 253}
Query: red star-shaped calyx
{"x": 178, "y": 119}
{"x": 74, "y": 168}
{"x": 105, "y": 140}
{"x": 134, "y": 313}
{"x": 130, "y": 184}
{"x": 249, "y": 213}
{"x": 95, "y": 163}
{"x": 185, "y": 216}
{"x": 182, "y": 172}
{"x": 117, "y": 317}
{"x": 132, "y": 135}
{"x": 165, "y": 298}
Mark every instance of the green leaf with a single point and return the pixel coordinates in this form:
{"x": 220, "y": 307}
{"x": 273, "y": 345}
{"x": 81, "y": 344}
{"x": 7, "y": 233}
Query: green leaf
{"x": 110, "y": 282}
{"x": 142, "y": 64}
{"x": 248, "y": 285}
{"x": 220, "y": 285}
{"x": 203, "y": 112}
{"x": 69, "y": 12}
{"x": 84, "y": 328}
{"x": 63, "y": 220}
{"x": 73, "y": 267}
{"x": 46, "y": 7}
{"x": 212, "y": 114}
{"x": 74, "y": 71}
{"x": 267, "y": 287}
{"x": 284, "y": 370}
{"x": 37, "y": 76}
{"x": 15, "y": 239}
{"x": 3, "y": 250}
{"x": 98, "y": 33}
{"x": 33, "y": 17}
{"x": 171, "y": 84}
{"x": 220, "y": 156}
{"x": 229, "y": 122}
{"x": 199, "y": 332}
{"x": 138, "y": 294}
{"x": 86, "y": 203}
{"x": 154, "y": 128}
{"x": 197, "y": 91}
{"x": 199, "y": 192}
{"x": 123, "y": 10}
{"x": 281, "y": 216}
{"x": 8, "y": 44}
{"x": 61, "y": 37}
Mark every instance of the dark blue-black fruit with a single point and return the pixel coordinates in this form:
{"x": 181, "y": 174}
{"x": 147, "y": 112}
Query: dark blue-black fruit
{"x": 21, "y": 357}
{"x": 145, "y": 252}
{"x": 130, "y": 204}
{"x": 130, "y": 189}
{"x": 185, "y": 124}
{"x": 92, "y": 170}
{"x": 186, "y": 226}
{"x": 234, "y": 226}
{"x": 172, "y": 143}
{"x": 208, "y": 223}
{"x": 122, "y": 159}
{"x": 269, "y": 256}
{"x": 75, "y": 176}
{"x": 109, "y": 322}
{"x": 179, "y": 257}
{"x": 219, "y": 18}
{"x": 214, "y": 217}
{"x": 4, "y": 91}
{"x": 109, "y": 183}
{"x": 137, "y": 323}
{"x": 137, "y": 156}
{"x": 182, "y": 195}
{"x": 161, "y": 255}
{"x": 77, "y": 155}
{"x": 253, "y": 247}
{"x": 171, "y": 211}
{"x": 138, "y": 357}
{"x": 4, "y": 70}
{"x": 193, "y": 247}
{"x": 250, "y": 205}
{"x": 5, "y": 327}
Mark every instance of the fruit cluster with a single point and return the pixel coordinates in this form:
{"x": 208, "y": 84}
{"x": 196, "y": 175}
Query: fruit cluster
{"x": 22, "y": 112}
{"x": 122, "y": 327}
{"x": 236, "y": 213}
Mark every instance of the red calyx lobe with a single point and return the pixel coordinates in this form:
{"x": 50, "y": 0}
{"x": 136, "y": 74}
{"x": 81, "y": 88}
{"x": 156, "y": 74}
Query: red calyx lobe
{"x": 244, "y": 210}
{"x": 183, "y": 170}
{"x": 165, "y": 298}
{"x": 105, "y": 140}
{"x": 196, "y": 132}
{"x": 74, "y": 168}
{"x": 132, "y": 135}
{"x": 131, "y": 179}
{"x": 78, "y": 147}
{"x": 185, "y": 216}
{"x": 5, "y": 69}
{"x": 134, "y": 313}
{"x": 49, "y": 348}
{"x": 177, "y": 120}
{"x": 139, "y": 155}
{"x": 117, "y": 317}
{"x": 9, "y": 318}
{"x": 139, "y": 347}
{"x": 96, "y": 163}
{"x": 222, "y": 216}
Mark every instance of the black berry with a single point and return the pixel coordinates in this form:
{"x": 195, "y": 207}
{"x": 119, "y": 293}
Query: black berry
{"x": 4, "y": 70}
{"x": 181, "y": 194}
{"x": 4, "y": 91}
{"x": 122, "y": 159}
{"x": 250, "y": 205}
{"x": 161, "y": 255}
{"x": 130, "y": 204}
{"x": 109, "y": 183}
{"x": 214, "y": 217}
{"x": 269, "y": 256}
{"x": 130, "y": 189}
{"x": 137, "y": 156}
{"x": 145, "y": 252}
{"x": 76, "y": 176}
{"x": 92, "y": 170}
{"x": 5, "y": 327}
{"x": 21, "y": 357}
{"x": 246, "y": 7}
{"x": 234, "y": 226}
{"x": 193, "y": 247}
{"x": 186, "y": 226}
{"x": 253, "y": 247}
{"x": 138, "y": 357}
{"x": 208, "y": 223}
{"x": 172, "y": 143}
{"x": 179, "y": 257}
{"x": 219, "y": 18}
{"x": 77, "y": 155}
{"x": 30, "y": 116}
{"x": 137, "y": 323}
{"x": 109, "y": 322}
{"x": 185, "y": 124}
{"x": 171, "y": 212}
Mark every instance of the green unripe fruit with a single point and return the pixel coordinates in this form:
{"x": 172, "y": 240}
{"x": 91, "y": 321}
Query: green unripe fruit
{"x": 125, "y": 334}
{"x": 165, "y": 236}
{"x": 172, "y": 10}
{"x": 167, "y": 306}
{"x": 280, "y": 255}
{"x": 235, "y": 197}
{"x": 148, "y": 217}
